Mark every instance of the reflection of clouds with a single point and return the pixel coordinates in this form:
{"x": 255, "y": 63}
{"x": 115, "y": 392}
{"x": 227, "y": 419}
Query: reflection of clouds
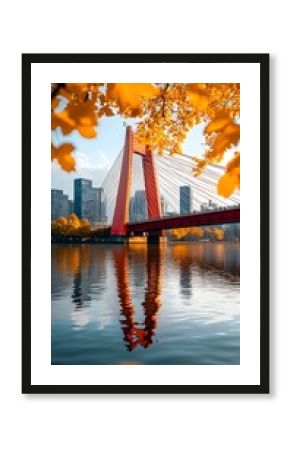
{"x": 209, "y": 307}
{"x": 218, "y": 316}
{"x": 209, "y": 274}
{"x": 80, "y": 317}
{"x": 202, "y": 270}
{"x": 102, "y": 321}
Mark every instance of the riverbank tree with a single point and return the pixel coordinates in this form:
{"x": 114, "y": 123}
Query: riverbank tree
{"x": 165, "y": 113}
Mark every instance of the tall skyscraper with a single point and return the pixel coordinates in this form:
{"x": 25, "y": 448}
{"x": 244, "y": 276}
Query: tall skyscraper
{"x": 138, "y": 207}
{"x": 83, "y": 198}
{"x": 60, "y": 204}
{"x": 89, "y": 202}
{"x": 163, "y": 206}
{"x": 185, "y": 199}
{"x": 99, "y": 205}
{"x": 70, "y": 206}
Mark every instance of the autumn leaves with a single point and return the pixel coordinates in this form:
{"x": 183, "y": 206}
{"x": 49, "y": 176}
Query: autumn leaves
{"x": 71, "y": 226}
{"x": 222, "y": 133}
{"x": 198, "y": 232}
{"x": 129, "y": 98}
{"x": 165, "y": 112}
{"x": 63, "y": 156}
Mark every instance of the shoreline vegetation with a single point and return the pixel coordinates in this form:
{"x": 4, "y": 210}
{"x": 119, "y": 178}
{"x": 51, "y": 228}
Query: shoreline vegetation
{"x": 71, "y": 229}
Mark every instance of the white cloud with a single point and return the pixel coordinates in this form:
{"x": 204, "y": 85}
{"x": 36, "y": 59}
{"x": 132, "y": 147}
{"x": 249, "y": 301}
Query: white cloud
{"x": 82, "y": 161}
{"x": 84, "y": 168}
{"x": 103, "y": 162}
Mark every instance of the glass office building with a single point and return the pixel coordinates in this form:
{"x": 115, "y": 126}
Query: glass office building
{"x": 60, "y": 204}
{"x": 89, "y": 202}
{"x": 185, "y": 199}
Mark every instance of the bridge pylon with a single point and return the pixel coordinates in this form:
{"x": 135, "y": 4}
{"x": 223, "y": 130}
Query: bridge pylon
{"x": 121, "y": 212}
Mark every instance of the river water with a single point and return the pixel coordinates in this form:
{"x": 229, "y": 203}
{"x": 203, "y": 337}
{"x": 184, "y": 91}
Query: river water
{"x": 138, "y": 304}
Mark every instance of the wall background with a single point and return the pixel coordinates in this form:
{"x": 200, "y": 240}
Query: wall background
{"x": 72, "y": 422}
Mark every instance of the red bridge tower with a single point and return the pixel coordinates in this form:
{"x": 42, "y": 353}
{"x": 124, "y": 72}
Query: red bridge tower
{"x": 121, "y": 213}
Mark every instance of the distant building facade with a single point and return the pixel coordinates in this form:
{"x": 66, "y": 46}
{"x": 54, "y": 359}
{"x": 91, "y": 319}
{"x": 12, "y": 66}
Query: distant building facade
{"x": 89, "y": 202}
{"x": 83, "y": 198}
{"x": 163, "y": 206}
{"x": 138, "y": 207}
{"x": 209, "y": 206}
{"x": 60, "y": 204}
{"x": 185, "y": 199}
{"x": 231, "y": 231}
{"x": 99, "y": 205}
{"x": 70, "y": 207}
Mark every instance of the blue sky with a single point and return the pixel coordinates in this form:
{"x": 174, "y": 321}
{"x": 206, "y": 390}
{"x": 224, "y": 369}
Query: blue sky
{"x": 94, "y": 157}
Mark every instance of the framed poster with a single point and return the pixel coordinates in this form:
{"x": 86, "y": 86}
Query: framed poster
{"x": 145, "y": 264}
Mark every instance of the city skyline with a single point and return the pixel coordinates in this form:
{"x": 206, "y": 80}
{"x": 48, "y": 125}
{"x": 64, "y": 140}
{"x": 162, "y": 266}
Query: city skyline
{"x": 90, "y": 202}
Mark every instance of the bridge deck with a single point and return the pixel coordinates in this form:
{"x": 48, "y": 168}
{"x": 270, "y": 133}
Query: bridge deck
{"x": 218, "y": 217}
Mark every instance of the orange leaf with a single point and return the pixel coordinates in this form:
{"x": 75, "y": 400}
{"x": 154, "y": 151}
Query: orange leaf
{"x": 88, "y": 132}
{"x": 198, "y": 95}
{"x": 231, "y": 179}
{"x": 54, "y": 102}
{"x": 63, "y": 120}
{"x": 130, "y": 96}
{"x": 63, "y": 156}
{"x": 217, "y": 124}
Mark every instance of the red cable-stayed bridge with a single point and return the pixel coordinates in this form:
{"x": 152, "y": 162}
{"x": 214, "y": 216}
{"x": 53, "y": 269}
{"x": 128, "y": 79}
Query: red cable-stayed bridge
{"x": 169, "y": 173}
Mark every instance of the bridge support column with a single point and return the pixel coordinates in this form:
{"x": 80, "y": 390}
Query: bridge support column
{"x": 159, "y": 240}
{"x": 152, "y": 190}
{"x": 121, "y": 213}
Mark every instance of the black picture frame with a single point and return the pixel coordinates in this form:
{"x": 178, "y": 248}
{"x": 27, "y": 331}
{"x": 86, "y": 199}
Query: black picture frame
{"x": 263, "y": 61}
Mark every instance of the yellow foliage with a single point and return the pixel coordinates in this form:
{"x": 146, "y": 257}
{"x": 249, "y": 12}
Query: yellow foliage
{"x": 63, "y": 156}
{"x": 219, "y": 234}
{"x": 222, "y": 133}
{"x": 62, "y": 119}
{"x": 63, "y": 221}
{"x": 217, "y": 124}
{"x": 227, "y": 134}
{"x": 76, "y": 88}
{"x": 179, "y": 233}
{"x": 81, "y": 117}
{"x": 71, "y": 226}
{"x": 54, "y": 103}
{"x": 231, "y": 179}
{"x": 84, "y": 117}
{"x": 130, "y": 96}
{"x": 198, "y": 95}
{"x": 197, "y": 231}
{"x": 166, "y": 111}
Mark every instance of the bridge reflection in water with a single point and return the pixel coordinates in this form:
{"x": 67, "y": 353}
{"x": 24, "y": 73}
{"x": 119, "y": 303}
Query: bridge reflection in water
{"x": 134, "y": 334}
{"x": 156, "y": 303}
